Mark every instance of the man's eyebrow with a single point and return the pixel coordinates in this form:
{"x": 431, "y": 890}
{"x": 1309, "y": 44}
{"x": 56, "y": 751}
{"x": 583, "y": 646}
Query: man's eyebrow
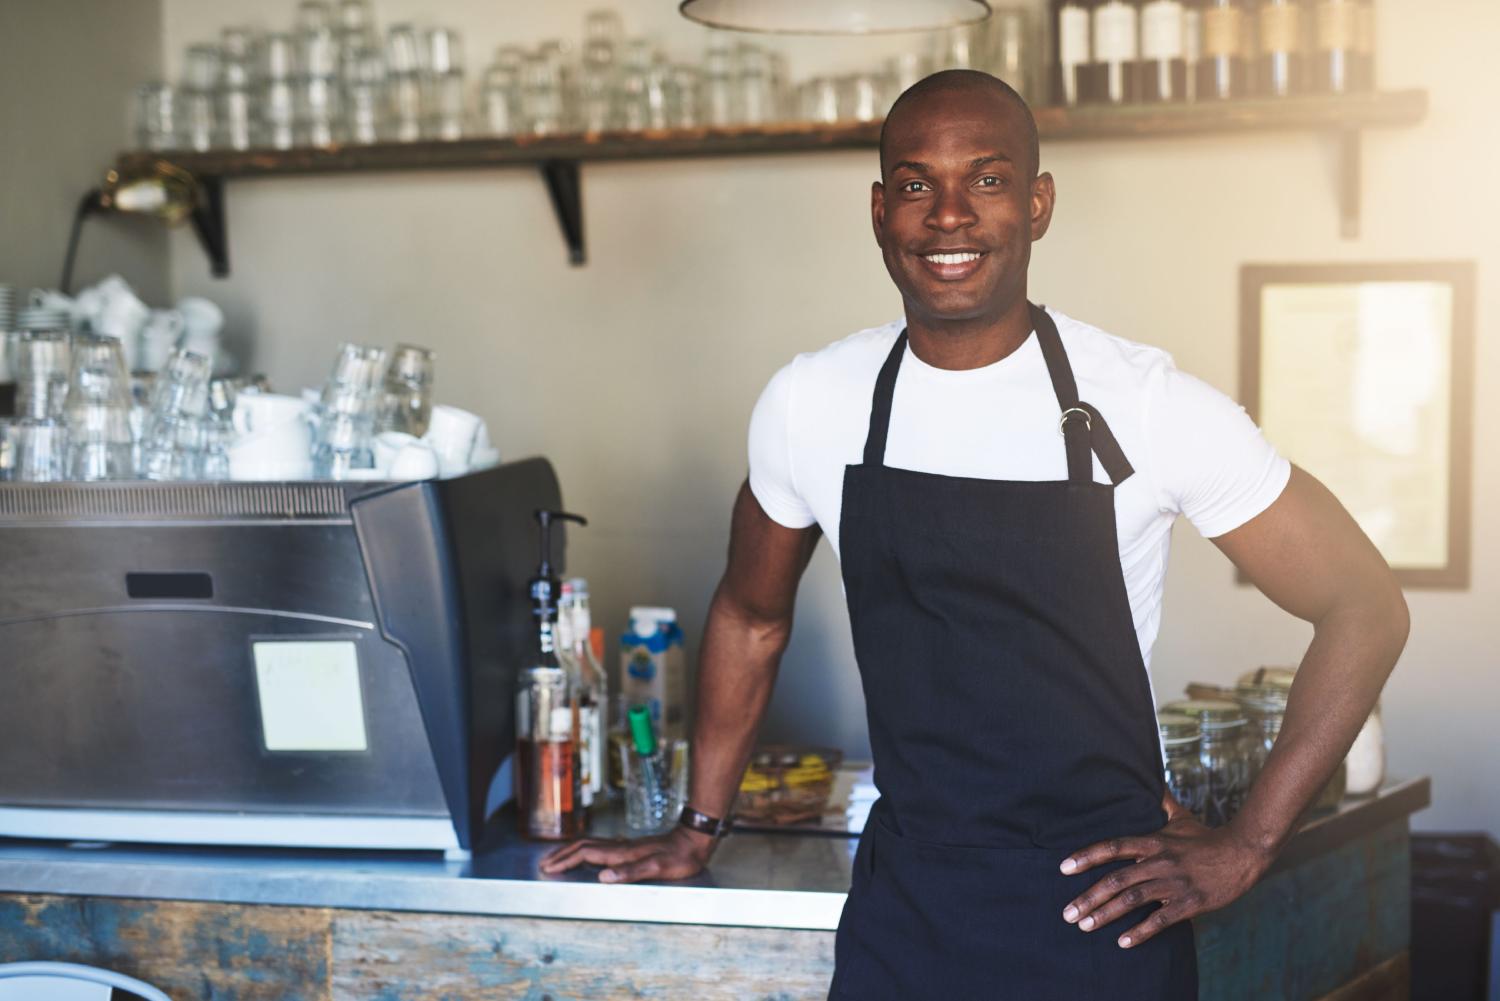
{"x": 923, "y": 168}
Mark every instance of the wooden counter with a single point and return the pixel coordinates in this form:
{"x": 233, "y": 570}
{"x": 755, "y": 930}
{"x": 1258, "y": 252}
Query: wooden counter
{"x": 1330, "y": 921}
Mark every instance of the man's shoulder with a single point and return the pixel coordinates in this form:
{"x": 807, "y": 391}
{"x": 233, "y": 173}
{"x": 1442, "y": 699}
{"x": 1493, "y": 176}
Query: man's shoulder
{"x": 1096, "y": 354}
{"x": 849, "y": 360}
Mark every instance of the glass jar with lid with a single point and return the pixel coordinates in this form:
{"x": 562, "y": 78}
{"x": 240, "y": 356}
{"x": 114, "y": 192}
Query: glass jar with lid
{"x": 1187, "y": 780}
{"x": 1264, "y": 692}
{"x": 1265, "y": 707}
{"x": 1222, "y": 753}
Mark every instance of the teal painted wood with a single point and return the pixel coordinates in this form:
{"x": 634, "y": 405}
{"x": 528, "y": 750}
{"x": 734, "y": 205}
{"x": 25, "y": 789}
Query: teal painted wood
{"x": 193, "y": 952}
{"x": 1309, "y": 929}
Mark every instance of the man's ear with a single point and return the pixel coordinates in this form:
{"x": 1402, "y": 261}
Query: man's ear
{"x": 877, "y": 211}
{"x": 1043, "y": 198}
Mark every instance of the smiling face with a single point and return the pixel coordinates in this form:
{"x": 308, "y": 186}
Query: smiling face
{"x": 960, "y": 203}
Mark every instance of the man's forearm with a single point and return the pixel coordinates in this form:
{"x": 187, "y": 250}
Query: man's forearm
{"x": 736, "y": 671}
{"x": 1353, "y": 651}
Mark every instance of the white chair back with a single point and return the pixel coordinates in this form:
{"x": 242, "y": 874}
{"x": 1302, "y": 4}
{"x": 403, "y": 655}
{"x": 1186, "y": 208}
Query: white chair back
{"x": 71, "y": 982}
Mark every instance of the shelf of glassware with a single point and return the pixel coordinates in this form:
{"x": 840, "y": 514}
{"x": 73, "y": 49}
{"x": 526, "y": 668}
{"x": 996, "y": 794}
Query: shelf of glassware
{"x": 1344, "y": 116}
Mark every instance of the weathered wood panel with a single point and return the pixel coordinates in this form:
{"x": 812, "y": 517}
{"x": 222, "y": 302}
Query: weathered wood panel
{"x": 1306, "y": 931}
{"x": 194, "y": 952}
{"x": 1334, "y": 926}
{"x": 389, "y": 956}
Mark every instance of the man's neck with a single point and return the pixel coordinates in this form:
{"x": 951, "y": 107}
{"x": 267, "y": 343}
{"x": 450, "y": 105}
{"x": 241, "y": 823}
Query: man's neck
{"x": 972, "y": 343}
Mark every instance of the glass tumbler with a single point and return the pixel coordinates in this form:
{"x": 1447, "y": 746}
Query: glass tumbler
{"x": 406, "y": 399}
{"x": 41, "y": 451}
{"x": 97, "y": 411}
{"x": 655, "y": 788}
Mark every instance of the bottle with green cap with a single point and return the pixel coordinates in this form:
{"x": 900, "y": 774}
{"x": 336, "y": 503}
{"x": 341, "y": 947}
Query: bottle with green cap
{"x": 645, "y": 795}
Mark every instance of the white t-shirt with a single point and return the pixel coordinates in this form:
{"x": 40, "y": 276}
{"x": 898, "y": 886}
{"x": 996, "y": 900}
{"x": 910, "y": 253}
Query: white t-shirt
{"x": 1195, "y": 451}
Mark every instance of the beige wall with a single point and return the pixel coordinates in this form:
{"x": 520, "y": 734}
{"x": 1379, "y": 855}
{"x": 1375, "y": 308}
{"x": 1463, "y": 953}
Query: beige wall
{"x": 636, "y": 374}
{"x": 67, "y": 68}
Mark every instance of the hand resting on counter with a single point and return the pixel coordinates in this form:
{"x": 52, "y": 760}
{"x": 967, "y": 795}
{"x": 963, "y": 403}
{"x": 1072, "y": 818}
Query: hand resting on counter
{"x": 678, "y": 854}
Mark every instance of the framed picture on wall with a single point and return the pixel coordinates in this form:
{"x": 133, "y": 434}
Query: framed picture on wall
{"x": 1362, "y": 374}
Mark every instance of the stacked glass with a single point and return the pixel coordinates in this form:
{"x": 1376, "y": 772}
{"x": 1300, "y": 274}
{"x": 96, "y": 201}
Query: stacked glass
{"x": 156, "y": 116}
{"x": 238, "y": 109}
{"x": 445, "y": 84}
{"x": 344, "y": 445}
{"x": 500, "y": 94}
{"x": 200, "y": 83}
{"x": 97, "y": 412}
{"x": 317, "y": 86}
{"x": 403, "y": 83}
{"x": 278, "y": 101}
{"x": 602, "y": 33}
{"x": 173, "y": 437}
{"x": 406, "y": 398}
{"x": 35, "y": 444}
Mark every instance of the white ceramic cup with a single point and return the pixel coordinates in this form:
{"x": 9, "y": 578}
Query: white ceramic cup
{"x": 387, "y": 445}
{"x": 416, "y": 461}
{"x": 203, "y": 317}
{"x": 121, "y": 313}
{"x": 452, "y": 433}
{"x": 284, "y": 453}
{"x": 270, "y": 413}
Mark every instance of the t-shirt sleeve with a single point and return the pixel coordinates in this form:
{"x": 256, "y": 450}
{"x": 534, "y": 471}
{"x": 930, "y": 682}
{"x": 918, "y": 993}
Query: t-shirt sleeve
{"x": 1211, "y": 462}
{"x": 771, "y": 477}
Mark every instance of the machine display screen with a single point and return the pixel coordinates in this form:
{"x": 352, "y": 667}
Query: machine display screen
{"x": 310, "y": 695}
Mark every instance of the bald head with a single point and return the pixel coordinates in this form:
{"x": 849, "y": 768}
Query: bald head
{"x": 927, "y": 97}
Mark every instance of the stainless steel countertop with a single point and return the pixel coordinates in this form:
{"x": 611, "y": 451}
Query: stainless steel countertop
{"x": 756, "y": 880}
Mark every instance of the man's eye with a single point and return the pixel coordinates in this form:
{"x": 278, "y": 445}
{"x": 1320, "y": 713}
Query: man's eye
{"x": 991, "y": 181}
{"x": 912, "y": 187}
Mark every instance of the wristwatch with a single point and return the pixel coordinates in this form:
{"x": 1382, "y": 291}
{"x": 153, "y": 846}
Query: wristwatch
{"x": 703, "y": 823}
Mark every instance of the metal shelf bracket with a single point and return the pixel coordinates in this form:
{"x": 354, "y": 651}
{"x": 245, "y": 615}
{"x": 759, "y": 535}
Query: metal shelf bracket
{"x": 566, "y": 191}
{"x": 1350, "y": 181}
{"x": 209, "y": 223}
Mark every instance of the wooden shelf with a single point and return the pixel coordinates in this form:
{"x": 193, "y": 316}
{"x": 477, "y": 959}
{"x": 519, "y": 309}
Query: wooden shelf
{"x": 559, "y": 156}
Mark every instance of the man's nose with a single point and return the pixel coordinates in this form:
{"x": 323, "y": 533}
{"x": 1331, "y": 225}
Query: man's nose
{"x": 951, "y": 211}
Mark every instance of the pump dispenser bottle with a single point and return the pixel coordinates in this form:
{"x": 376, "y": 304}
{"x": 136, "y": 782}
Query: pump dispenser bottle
{"x": 549, "y": 793}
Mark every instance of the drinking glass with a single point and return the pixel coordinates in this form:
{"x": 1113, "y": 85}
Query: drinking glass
{"x": 41, "y": 451}
{"x": 717, "y": 93}
{"x": 365, "y": 97}
{"x": 500, "y": 100}
{"x": 40, "y": 361}
{"x": 7, "y": 449}
{"x": 860, "y": 98}
{"x": 541, "y": 95}
{"x": 156, "y": 116}
{"x": 278, "y": 94}
{"x": 406, "y": 400}
{"x": 346, "y": 424}
{"x": 172, "y": 440}
{"x": 404, "y": 84}
{"x": 237, "y": 105}
{"x": 633, "y": 98}
{"x": 97, "y": 412}
{"x": 655, "y": 788}
{"x": 684, "y": 83}
{"x": 754, "y": 95}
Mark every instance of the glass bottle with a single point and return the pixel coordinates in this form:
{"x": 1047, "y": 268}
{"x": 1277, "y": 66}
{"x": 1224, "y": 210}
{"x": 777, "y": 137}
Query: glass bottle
{"x": 1222, "y": 754}
{"x": 1071, "y": 51}
{"x": 1280, "y": 31}
{"x": 1185, "y": 776}
{"x": 549, "y": 793}
{"x": 578, "y": 621}
{"x": 1163, "y": 51}
{"x": 1335, "y": 35}
{"x": 1116, "y": 51}
{"x": 1222, "y": 73}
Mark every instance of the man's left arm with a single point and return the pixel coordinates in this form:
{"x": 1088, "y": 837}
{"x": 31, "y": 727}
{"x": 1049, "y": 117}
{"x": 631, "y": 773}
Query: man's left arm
{"x": 1307, "y": 555}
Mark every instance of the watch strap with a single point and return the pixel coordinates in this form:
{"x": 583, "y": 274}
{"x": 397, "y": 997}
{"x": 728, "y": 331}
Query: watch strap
{"x": 703, "y": 823}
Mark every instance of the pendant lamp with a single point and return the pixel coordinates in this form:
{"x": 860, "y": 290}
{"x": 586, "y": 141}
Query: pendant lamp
{"x": 834, "y": 17}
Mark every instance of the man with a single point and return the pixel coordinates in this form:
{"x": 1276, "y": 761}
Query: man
{"x": 1000, "y": 482}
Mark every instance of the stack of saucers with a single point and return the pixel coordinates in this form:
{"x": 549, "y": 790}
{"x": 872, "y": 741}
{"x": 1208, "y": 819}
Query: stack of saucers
{"x": 43, "y": 318}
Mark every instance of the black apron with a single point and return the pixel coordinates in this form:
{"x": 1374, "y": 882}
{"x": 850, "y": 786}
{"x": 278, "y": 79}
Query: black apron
{"x": 1011, "y": 722}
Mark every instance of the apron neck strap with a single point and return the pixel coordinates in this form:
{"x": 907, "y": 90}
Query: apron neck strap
{"x": 880, "y": 409}
{"x": 1083, "y": 428}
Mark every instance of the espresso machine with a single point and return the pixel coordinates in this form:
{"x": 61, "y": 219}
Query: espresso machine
{"x": 289, "y": 664}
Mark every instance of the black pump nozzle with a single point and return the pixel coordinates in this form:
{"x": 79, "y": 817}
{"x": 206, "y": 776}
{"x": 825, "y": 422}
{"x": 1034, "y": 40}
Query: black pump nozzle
{"x": 545, "y": 585}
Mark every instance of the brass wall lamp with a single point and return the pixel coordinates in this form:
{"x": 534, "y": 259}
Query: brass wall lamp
{"x": 159, "y": 191}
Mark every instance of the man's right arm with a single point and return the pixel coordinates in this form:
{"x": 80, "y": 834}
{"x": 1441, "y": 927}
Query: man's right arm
{"x": 749, "y": 623}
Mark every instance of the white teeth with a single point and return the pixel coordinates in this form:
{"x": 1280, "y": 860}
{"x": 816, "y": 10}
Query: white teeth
{"x": 952, "y": 258}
